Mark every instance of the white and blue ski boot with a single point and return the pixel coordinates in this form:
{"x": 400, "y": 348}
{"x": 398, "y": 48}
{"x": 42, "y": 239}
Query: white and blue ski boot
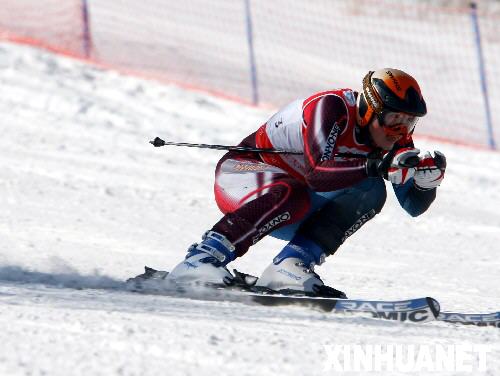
{"x": 292, "y": 271}
{"x": 206, "y": 262}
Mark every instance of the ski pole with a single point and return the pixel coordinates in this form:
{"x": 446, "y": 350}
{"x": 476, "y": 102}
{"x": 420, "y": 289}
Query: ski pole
{"x": 157, "y": 142}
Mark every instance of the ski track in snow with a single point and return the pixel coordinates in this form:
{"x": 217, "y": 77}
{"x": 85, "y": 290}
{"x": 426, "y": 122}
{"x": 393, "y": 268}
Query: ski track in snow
{"x": 86, "y": 202}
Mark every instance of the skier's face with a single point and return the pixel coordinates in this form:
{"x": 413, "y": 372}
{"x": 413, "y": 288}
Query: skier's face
{"x": 382, "y": 139}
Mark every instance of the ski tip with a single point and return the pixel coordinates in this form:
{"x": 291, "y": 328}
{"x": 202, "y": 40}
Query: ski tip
{"x": 149, "y": 270}
{"x": 434, "y": 306}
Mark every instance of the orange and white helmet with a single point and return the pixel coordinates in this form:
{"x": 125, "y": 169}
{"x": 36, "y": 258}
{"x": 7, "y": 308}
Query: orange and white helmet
{"x": 386, "y": 91}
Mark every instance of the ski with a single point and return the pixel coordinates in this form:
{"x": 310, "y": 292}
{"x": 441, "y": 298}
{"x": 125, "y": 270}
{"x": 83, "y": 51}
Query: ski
{"x": 413, "y": 310}
{"x": 478, "y": 319}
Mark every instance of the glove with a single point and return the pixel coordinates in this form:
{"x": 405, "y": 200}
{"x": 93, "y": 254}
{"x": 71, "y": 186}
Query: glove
{"x": 402, "y": 167}
{"x": 377, "y": 165}
{"x": 430, "y": 171}
{"x": 395, "y": 166}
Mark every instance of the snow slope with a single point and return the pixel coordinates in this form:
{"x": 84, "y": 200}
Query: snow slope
{"x": 85, "y": 202}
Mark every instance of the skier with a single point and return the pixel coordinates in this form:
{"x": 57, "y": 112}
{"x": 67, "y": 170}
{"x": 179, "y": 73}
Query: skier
{"x": 349, "y": 143}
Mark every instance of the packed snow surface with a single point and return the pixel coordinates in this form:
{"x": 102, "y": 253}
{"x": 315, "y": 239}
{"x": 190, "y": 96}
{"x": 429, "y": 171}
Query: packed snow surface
{"x": 86, "y": 202}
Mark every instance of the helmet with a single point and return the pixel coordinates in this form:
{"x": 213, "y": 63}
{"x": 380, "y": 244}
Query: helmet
{"x": 389, "y": 90}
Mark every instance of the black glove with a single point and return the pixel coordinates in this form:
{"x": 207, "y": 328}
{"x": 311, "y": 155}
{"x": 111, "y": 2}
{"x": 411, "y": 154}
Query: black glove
{"x": 391, "y": 163}
{"x": 378, "y": 165}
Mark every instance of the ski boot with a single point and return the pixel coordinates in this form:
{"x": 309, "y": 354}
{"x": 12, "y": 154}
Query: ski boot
{"x": 292, "y": 271}
{"x": 206, "y": 262}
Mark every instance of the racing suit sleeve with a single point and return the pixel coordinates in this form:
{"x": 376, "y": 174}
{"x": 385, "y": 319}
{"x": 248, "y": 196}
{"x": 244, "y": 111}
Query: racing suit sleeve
{"x": 324, "y": 121}
{"x": 414, "y": 200}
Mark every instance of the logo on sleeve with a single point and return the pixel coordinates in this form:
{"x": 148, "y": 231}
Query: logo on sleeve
{"x": 330, "y": 142}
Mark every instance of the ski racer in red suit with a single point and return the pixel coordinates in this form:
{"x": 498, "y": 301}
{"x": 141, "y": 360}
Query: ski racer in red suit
{"x": 348, "y": 143}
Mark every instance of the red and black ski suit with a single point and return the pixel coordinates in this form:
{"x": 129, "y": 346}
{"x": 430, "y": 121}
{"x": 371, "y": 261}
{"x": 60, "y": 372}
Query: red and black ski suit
{"x": 324, "y": 193}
